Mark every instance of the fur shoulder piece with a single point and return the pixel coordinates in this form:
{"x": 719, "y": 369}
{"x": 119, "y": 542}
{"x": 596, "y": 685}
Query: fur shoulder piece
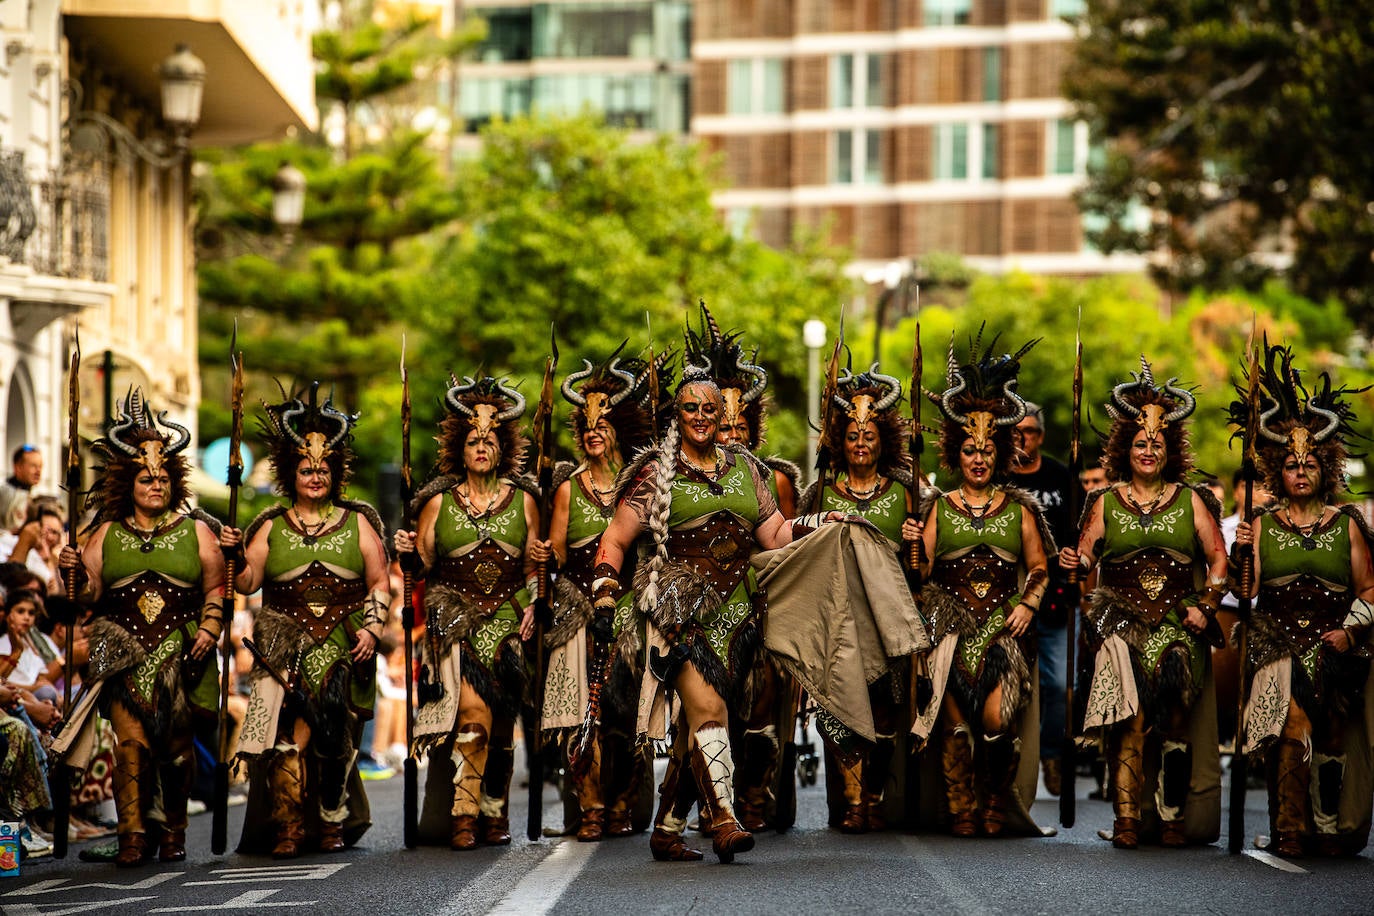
{"x": 1090, "y": 500}
{"x": 1209, "y": 499}
{"x": 441, "y": 484}
{"x": 563, "y": 471}
{"x": 806, "y": 502}
{"x": 1030, "y": 503}
{"x": 929, "y": 497}
{"x": 214, "y": 524}
{"x": 367, "y": 511}
{"x": 527, "y": 482}
{"x": 266, "y": 515}
{"x": 630, "y": 472}
{"x": 789, "y": 469}
{"x": 1353, "y": 512}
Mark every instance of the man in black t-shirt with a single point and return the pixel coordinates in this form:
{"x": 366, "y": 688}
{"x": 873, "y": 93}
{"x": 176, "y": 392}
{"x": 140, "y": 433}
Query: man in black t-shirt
{"x": 1049, "y": 481}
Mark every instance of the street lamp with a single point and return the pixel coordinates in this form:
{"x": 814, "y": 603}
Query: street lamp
{"x": 813, "y": 335}
{"x": 183, "y": 83}
{"x": 288, "y": 199}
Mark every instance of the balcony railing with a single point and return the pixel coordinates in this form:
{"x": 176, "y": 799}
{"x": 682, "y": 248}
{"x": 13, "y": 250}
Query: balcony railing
{"x": 56, "y": 222}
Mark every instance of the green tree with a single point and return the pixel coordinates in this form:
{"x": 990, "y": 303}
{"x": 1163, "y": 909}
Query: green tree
{"x": 1243, "y": 127}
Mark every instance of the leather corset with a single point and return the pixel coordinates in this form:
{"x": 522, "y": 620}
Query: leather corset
{"x": 718, "y": 550}
{"x": 486, "y": 575}
{"x": 980, "y": 580}
{"x": 150, "y": 607}
{"x": 318, "y": 599}
{"x": 1304, "y": 608}
{"x": 1151, "y": 580}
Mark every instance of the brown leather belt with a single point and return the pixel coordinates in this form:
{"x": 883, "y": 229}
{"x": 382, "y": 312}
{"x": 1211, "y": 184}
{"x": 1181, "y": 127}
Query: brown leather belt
{"x": 150, "y": 607}
{"x": 718, "y": 550}
{"x": 486, "y": 575}
{"x": 980, "y": 579}
{"x": 1304, "y": 608}
{"x": 319, "y": 599}
{"x": 1150, "y": 579}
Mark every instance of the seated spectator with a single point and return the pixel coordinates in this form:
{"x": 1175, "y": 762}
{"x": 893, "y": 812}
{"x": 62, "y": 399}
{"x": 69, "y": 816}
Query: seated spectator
{"x": 40, "y": 540}
{"x": 23, "y": 781}
{"x": 29, "y": 662}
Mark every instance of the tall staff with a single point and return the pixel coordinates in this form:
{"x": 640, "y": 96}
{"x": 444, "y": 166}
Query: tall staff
{"x": 60, "y": 777}
{"x": 219, "y": 824}
{"x": 1068, "y": 750}
{"x": 916, "y": 549}
{"x": 1240, "y": 763}
{"x": 824, "y": 460}
{"x": 410, "y": 800}
{"x": 543, "y": 613}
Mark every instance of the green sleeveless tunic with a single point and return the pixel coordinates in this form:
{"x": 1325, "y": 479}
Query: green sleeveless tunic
{"x": 457, "y": 533}
{"x": 1283, "y": 558}
{"x": 886, "y": 509}
{"x": 175, "y": 558}
{"x": 957, "y": 535}
{"x": 339, "y": 548}
{"x": 1170, "y": 528}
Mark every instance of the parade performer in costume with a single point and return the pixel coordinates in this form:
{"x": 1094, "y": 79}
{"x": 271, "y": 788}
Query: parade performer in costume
{"x": 155, "y": 576}
{"x": 987, "y": 545}
{"x": 1308, "y": 641}
{"x": 769, "y": 699}
{"x": 1161, "y": 574}
{"x": 476, "y": 537}
{"x": 867, "y": 438}
{"x": 610, "y": 420}
{"x": 321, "y": 564}
{"x": 706, "y": 509}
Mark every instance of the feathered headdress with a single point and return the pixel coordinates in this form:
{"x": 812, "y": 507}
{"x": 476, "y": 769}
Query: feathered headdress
{"x": 869, "y": 397}
{"x": 298, "y": 432}
{"x": 138, "y": 441}
{"x": 614, "y": 390}
{"x": 1142, "y": 405}
{"x": 741, "y": 382}
{"x": 1294, "y": 421}
{"x": 980, "y": 402}
{"x": 488, "y": 406}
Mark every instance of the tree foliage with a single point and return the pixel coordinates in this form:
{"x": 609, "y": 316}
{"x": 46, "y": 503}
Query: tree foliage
{"x": 1243, "y": 128}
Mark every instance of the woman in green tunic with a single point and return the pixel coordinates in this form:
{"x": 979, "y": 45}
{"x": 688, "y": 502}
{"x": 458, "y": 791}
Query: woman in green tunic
{"x": 867, "y": 439}
{"x": 1311, "y": 695}
{"x": 321, "y": 564}
{"x": 1162, "y": 571}
{"x": 986, "y": 575}
{"x": 476, "y": 536}
{"x": 156, "y": 579}
{"x": 707, "y": 509}
{"x": 591, "y": 653}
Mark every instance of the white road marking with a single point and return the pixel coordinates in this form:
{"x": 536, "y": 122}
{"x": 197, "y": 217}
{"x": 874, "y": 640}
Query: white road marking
{"x": 538, "y": 892}
{"x": 1273, "y": 861}
{"x": 75, "y": 906}
{"x": 59, "y": 885}
{"x": 247, "y": 900}
{"x": 271, "y": 873}
{"x": 927, "y": 859}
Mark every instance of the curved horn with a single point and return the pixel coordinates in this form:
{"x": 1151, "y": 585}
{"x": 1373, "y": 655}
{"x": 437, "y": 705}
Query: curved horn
{"x": 1333, "y": 422}
{"x": 951, "y": 364}
{"x": 1264, "y": 429}
{"x": 338, "y": 416}
{"x": 626, "y": 376}
{"x": 126, "y": 422}
{"x": 1147, "y": 374}
{"x": 949, "y": 395}
{"x": 894, "y": 388}
{"x": 1009, "y": 389}
{"x": 569, "y": 392}
{"x": 758, "y": 385}
{"x": 517, "y": 406}
{"x": 710, "y": 321}
{"x": 1187, "y": 403}
{"x": 183, "y": 438}
{"x": 451, "y": 397}
{"x": 1121, "y": 405}
{"x": 287, "y": 416}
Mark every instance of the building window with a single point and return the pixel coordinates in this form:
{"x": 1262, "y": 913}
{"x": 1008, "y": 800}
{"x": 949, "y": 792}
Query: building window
{"x": 855, "y": 77}
{"x": 990, "y": 161}
{"x": 510, "y": 35}
{"x": 1062, "y": 149}
{"x": 1065, "y": 9}
{"x": 951, "y": 152}
{"x": 947, "y": 12}
{"x": 594, "y": 30}
{"x": 858, "y": 157}
{"x": 992, "y": 74}
{"x": 755, "y": 86}
{"x": 484, "y": 99}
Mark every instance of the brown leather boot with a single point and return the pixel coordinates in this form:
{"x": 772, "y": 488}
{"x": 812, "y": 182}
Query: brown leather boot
{"x": 714, "y": 769}
{"x": 855, "y": 817}
{"x": 1289, "y": 776}
{"x": 675, "y": 800}
{"x": 759, "y": 757}
{"x": 1328, "y": 782}
{"x": 287, "y": 778}
{"x": 1001, "y": 757}
{"x": 593, "y": 811}
{"x": 331, "y": 837}
{"x": 590, "y": 829}
{"x": 956, "y": 759}
{"x": 876, "y": 771}
{"x": 1175, "y": 775}
{"x": 494, "y": 821}
{"x": 463, "y": 832}
{"x": 132, "y": 772}
{"x": 619, "y": 820}
{"x": 176, "y": 786}
{"x": 1128, "y": 775}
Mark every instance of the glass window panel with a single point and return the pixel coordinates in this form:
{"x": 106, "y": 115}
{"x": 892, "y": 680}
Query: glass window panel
{"x": 992, "y": 74}
{"x": 773, "y": 89}
{"x": 876, "y": 94}
{"x": 844, "y": 157}
{"x": 739, "y": 87}
{"x": 672, "y": 30}
{"x": 1063, "y": 158}
{"x": 959, "y": 151}
{"x": 990, "y": 135}
{"x": 873, "y": 157}
{"x": 947, "y": 12}
{"x": 842, "y": 81}
{"x": 510, "y": 35}
{"x": 1062, "y": 8}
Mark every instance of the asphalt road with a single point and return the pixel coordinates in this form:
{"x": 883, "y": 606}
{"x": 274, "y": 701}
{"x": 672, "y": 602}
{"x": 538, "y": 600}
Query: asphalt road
{"x": 810, "y": 869}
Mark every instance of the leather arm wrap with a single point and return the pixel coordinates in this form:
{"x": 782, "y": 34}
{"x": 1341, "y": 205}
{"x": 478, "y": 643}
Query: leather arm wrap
{"x": 1210, "y": 600}
{"x": 606, "y": 590}
{"x": 376, "y": 611}
{"x": 1359, "y": 621}
{"x": 212, "y": 616}
{"x": 1034, "y": 591}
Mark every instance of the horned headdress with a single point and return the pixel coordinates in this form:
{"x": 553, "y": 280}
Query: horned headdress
{"x": 980, "y": 402}
{"x": 741, "y": 381}
{"x": 140, "y": 440}
{"x": 1141, "y": 405}
{"x": 305, "y": 432}
{"x": 486, "y": 406}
